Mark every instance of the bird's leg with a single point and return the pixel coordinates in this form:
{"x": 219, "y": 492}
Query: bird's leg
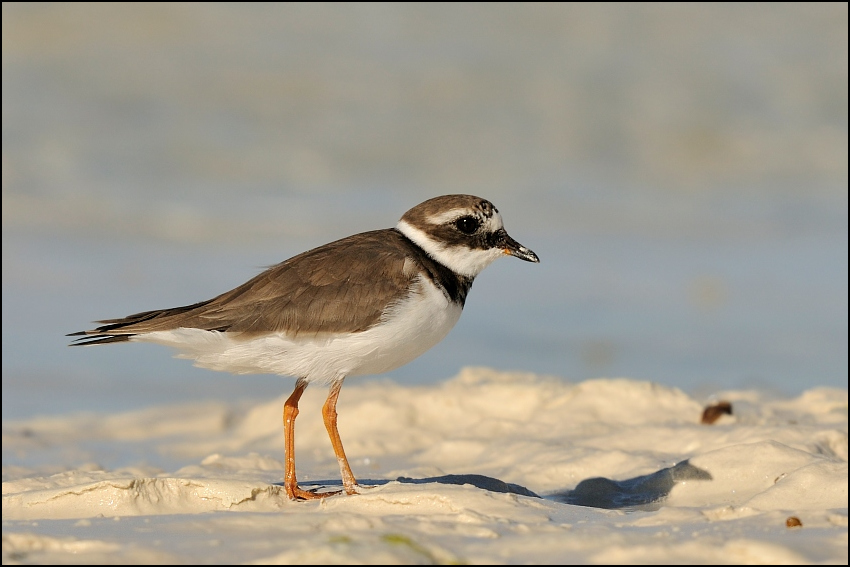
{"x": 329, "y": 413}
{"x": 290, "y": 412}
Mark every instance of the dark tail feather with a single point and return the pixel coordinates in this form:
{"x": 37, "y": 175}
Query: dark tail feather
{"x": 97, "y": 339}
{"x": 111, "y": 331}
{"x": 104, "y": 334}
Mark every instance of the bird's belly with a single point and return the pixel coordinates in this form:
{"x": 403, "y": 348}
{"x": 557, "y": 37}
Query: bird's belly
{"x": 407, "y": 330}
{"x": 414, "y": 327}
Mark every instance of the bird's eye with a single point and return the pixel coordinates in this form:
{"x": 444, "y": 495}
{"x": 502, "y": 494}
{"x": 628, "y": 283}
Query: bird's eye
{"x": 467, "y": 225}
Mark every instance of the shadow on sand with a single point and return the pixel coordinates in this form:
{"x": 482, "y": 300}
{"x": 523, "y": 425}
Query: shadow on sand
{"x": 645, "y": 492}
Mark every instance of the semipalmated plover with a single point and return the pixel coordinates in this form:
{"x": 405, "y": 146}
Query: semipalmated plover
{"x": 365, "y": 304}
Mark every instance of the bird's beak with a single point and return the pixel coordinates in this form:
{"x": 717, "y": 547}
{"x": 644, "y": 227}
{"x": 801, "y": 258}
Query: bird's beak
{"x": 514, "y": 248}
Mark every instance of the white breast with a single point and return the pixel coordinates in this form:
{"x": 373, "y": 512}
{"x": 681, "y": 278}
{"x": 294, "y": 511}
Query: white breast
{"x": 407, "y": 330}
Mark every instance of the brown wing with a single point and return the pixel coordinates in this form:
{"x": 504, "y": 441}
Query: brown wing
{"x": 341, "y": 286}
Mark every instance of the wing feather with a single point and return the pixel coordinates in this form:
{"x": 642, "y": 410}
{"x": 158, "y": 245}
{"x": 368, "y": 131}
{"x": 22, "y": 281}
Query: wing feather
{"x": 332, "y": 288}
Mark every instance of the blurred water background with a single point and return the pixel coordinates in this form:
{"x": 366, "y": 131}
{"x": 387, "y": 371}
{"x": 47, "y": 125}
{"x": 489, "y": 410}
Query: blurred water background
{"x": 681, "y": 170}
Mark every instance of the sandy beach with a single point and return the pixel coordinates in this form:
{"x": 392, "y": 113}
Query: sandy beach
{"x": 487, "y": 467}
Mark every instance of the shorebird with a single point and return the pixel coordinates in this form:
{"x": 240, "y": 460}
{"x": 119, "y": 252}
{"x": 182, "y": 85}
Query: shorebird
{"x": 365, "y": 304}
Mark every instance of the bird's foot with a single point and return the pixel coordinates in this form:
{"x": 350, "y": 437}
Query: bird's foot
{"x": 298, "y": 493}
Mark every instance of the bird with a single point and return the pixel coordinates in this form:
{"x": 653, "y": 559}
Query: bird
{"x": 362, "y": 305}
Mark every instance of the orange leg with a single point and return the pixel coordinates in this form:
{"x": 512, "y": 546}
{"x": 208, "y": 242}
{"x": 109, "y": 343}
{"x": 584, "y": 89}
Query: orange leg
{"x": 290, "y": 412}
{"x": 329, "y": 414}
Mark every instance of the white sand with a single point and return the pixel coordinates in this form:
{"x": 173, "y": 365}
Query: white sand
{"x": 201, "y": 483}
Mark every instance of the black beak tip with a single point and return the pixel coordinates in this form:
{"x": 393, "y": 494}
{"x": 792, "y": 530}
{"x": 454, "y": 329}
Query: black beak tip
{"x": 523, "y": 253}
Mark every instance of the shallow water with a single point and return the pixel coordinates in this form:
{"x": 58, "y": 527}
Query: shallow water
{"x": 681, "y": 174}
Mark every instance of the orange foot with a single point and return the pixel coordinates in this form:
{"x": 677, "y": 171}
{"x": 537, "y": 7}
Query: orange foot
{"x": 298, "y": 493}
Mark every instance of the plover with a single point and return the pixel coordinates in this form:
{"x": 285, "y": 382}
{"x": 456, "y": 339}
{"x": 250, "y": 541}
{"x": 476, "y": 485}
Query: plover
{"x": 365, "y": 304}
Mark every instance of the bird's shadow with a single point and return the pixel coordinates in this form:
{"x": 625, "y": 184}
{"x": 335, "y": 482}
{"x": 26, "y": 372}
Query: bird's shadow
{"x": 646, "y": 492}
